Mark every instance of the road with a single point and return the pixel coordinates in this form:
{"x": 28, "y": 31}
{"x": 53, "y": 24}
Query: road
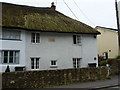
{"x": 97, "y": 84}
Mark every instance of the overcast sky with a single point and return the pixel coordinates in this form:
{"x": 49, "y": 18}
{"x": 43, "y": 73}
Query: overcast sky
{"x": 92, "y": 12}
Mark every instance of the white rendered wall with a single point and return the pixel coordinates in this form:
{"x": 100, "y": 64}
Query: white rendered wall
{"x": 90, "y": 52}
{"x": 14, "y": 45}
{"x": 62, "y": 50}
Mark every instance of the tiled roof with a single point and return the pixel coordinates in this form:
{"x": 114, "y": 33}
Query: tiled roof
{"x": 43, "y": 19}
{"x": 106, "y": 28}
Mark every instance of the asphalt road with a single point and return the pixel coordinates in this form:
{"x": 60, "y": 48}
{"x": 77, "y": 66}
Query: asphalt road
{"x": 97, "y": 84}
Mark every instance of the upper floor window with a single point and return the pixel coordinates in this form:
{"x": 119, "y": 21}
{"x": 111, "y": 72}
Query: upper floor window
{"x": 76, "y": 39}
{"x": 35, "y": 37}
{"x": 11, "y": 34}
{"x": 10, "y": 57}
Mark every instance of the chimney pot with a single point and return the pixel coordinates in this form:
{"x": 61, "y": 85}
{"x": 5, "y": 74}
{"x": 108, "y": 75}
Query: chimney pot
{"x": 53, "y": 6}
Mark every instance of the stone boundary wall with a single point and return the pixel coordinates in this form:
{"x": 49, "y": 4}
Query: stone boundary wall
{"x": 48, "y": 78}
{"x": 114, "y": 66}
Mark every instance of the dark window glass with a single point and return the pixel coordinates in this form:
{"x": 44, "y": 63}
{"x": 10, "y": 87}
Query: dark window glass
{"x": 53, "y": 62}
{"x": 33, "y": 38}
{"x": 37, "y": 63}
{"x": 74, "y": 39}
{"x": 5, "y": 57}
{"x": 37, "y": 37}
{"x": 11, "y": 57}
{"x": 32, "y": 63}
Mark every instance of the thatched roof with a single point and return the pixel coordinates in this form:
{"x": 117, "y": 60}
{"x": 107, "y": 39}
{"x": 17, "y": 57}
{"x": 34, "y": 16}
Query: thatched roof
{"x": 43, "y": 19}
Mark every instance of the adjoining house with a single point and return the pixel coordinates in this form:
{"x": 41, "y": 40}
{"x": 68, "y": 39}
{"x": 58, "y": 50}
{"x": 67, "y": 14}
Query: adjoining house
{"x": 42, "y": 39}
{"x": 107, "y": 42}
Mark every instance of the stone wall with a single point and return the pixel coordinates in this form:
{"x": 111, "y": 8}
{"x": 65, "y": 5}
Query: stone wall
{"x": 114, "y": 66}
{"x": 48, "y": 78}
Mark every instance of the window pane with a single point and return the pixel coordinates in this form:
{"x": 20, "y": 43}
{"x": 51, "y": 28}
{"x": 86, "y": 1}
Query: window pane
{"x": 33, "y": 37}
{"x": 5, "y": 60}
{"x": 37, "y": 63}
{"x": 74, "y": 39}
{"x": 12, "y": 35}
{"x": 16, "y": 57}
{"x": 32, "y": 63}
{"x": 17, "y": 36}
{"x": 74, "y": 62}
{"x": 78, "y": 39}
{"x": 5, "y": 34}
{"x": 37, "y": 37}
{"x": 11, "y": 57}
{"x": 78, "y": 63}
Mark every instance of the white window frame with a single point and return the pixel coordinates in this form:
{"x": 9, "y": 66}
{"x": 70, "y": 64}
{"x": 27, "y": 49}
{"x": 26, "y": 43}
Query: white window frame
{"x": 35, "y": 37}
{"x": 35, "y": 63}
{"x": 78, "y": 40}
{"x": 15, "y": 52}
{"x": 53, "y": 66}
{"x": 76, "y": 64}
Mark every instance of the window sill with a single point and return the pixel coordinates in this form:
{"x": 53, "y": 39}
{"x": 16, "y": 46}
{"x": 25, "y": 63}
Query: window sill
{"x": 35, "y": 43}
{"x": 12, "y": 39}
{"x": 53, "y": 66}
{"x": 9, "y": 63}
{"x": 77, "y": 44}
{"x": 35, "y": 69}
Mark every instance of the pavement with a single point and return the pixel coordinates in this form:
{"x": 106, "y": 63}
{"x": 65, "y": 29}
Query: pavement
{"x": 113, "y": 82}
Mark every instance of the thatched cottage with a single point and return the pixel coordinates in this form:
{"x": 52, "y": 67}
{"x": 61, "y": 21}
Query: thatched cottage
{"x": 42, "y": 39}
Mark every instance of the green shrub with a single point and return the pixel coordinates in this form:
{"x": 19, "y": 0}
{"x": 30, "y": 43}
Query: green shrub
{"x": 102, "y": 63}
{"x": 7, "y": 69}
{"x": 118, "y": 57}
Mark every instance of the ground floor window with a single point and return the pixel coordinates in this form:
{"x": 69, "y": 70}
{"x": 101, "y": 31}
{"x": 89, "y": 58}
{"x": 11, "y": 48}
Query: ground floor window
{"x": 10, "y": 57}
{"x": 53, "y": 63}
{"x": 76, "y": 62}
{"x": 35, "y": 63}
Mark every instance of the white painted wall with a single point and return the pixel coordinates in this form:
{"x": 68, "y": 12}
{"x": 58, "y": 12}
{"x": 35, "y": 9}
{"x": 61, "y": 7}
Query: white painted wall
{"x": 14, "y": 45}
{"x": 61, "y": 50}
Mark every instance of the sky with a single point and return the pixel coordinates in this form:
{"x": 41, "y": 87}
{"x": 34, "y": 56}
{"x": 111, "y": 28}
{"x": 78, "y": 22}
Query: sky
{"x": 91, "y": 12}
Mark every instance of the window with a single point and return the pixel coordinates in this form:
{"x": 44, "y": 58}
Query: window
{"x": 53, "y": 63}
{"x": 10, "y": 57}
{"x": 76, "y": 62}
{"x": 11, "y": 34}
{"x": 76, "y": 39}
{"x": 35, "y": 63}
{"x": 35, "y": 37}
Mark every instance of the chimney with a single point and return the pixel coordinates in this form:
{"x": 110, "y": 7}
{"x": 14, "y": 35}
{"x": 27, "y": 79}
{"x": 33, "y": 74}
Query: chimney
{"x": 53, "y": 7}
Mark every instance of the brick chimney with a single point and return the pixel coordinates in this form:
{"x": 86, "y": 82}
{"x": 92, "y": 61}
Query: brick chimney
{"x": 53, "y": 7}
